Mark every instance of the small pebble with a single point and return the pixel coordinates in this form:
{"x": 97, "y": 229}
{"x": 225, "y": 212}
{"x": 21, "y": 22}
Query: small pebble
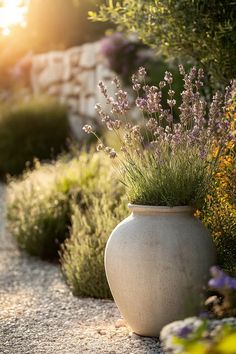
{"x": 120, "y": 323}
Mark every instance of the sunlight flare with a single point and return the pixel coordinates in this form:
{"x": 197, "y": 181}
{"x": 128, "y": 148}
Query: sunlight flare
{"x": 12, "y": 13}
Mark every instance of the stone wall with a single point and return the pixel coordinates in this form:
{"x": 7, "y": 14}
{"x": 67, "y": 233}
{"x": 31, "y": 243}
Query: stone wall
{"x": 72, "y": 76}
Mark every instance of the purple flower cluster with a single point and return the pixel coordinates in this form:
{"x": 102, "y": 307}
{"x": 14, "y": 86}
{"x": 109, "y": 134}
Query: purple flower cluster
{"x": 220, "y": 280}
{"x": 200, "y": 127}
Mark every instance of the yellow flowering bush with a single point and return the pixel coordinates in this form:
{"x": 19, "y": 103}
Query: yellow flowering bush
{"x": 219, "y": 213}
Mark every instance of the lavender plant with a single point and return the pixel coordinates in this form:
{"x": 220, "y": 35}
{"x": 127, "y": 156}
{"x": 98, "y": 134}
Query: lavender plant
{"x": 160, "y": 161}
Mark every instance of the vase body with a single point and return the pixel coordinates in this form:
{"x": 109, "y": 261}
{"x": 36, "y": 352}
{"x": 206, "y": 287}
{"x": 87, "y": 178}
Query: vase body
{"x": 157, "y": 263}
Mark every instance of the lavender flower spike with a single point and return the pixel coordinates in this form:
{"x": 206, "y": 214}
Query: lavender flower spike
{"x": 87, "y": 129}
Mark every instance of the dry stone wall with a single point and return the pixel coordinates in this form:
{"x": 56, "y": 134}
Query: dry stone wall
{"x": 72, "y": 76}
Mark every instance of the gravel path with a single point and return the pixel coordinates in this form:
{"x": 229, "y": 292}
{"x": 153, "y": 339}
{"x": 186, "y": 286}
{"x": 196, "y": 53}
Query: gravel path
{"x": 38, "y": 314}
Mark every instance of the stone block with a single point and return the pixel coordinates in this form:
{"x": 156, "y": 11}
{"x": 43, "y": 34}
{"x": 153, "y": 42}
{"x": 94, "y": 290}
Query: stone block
{"x": 66, "y": 89}
{"x": 54, "y": 90}
{"x": 90, "y": 103}
{"x": 67, "y": 68}
{"x": 87, "y": 81}
{"x": 88, "y": 56}
{"x": 76, "y": 123}
{"x": 73, "y": 105}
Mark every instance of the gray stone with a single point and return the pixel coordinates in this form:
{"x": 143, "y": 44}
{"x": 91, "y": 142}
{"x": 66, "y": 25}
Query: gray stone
{"x": 54, "y": 90}
{"x": 88, "y": 56}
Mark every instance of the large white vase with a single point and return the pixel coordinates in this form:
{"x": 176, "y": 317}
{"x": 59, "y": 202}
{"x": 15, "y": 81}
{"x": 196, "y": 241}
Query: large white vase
{"x": 157, "y": 263}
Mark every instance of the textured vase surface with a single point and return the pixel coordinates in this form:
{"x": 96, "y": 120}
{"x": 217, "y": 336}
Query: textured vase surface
{"x": 157, "y": 264}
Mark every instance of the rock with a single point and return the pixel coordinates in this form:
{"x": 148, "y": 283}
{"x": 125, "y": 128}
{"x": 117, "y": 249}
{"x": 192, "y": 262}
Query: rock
{"x": 73, "y": 105}
{"x": 87, "y": 82}
{"x": 55, "y": 68}
{"x": 76, "y": 124}
{"x": 75, "y": 71}
{"x": 39, "y": 63}
{"x": 66, "y": 89}
{"x": 120, "y": 323}
{"x": 75, "y": 90}
{"x": 135, "y": 336}
{"x": 82, "y": 105}
{"x": 72, "y": 76}
{"x": 90, "y": 104}
{"x": 74, "y": 57}
{"x": 88, "y": 56}
{"x": 102, "y": 332}
{"x": 67, "y": 69}
{"x": 103, "y": 73}
{"x": 54, "y": 90}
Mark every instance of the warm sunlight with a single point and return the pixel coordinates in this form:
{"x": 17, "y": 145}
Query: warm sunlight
{"x": 12, "y": 12}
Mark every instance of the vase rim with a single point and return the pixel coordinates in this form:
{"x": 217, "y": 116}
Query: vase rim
{"x": 152, "y": 209}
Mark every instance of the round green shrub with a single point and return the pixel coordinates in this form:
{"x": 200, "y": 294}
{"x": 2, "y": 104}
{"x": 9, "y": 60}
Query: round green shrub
{"x": 38, "y": 214}
{"x": 39, "y": 203}
{"x": 204, "y": 30}
{"x": 37, "y": 128}
{"x": 82, "y": 255}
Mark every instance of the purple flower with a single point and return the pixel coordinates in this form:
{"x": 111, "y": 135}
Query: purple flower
{"x": 141, "y": 103}
{"x": 185, "y": 331}
{"x": 204, "y": 314}
{"x": 221, "y": 280}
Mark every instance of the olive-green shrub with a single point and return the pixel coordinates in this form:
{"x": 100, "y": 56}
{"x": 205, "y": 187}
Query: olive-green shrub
{"x": 219, "y": 212}
{"x": 38, "y": 213}
{"x": 39, "y": 203}
{"x": 201, "y": 29}
{"x": 37, "y": 128}
{"x": 82, "y": 255}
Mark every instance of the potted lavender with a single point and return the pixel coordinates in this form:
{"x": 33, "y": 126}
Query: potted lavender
{"x": 158, "y": 258}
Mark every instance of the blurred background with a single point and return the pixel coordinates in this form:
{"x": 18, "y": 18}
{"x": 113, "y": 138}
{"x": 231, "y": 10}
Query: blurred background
{"x": 52, "y": 57}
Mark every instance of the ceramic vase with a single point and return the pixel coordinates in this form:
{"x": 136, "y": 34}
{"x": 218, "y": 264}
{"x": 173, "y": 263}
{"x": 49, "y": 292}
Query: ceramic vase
{"x": 157, "y": 264}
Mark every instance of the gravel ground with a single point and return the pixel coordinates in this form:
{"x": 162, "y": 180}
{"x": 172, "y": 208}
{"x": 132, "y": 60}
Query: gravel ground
{"x": 38, "y": 314}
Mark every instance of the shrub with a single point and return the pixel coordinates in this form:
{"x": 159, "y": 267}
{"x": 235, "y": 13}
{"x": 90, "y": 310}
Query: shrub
{"x": 33, "y": 129}
{"x": 82, "y": 255}
{"x": 202, "y": 29}
{"x": 37, "y": 213}
{"x": 219, "y": 212}
{"x": 39, "y": 204}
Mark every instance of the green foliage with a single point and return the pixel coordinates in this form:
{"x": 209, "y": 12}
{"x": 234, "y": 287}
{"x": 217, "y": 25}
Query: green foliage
{"x": 38, "y": 214}
{"x": 200, "y": 29}
{"x": 37, "y": 128}
{"x": 174, "y": 179}
{"x": 39, "y": 204}
{"x": 219, "y": 212}
{"x": 159, "y": 161}
{"x": 93, "y": 220}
